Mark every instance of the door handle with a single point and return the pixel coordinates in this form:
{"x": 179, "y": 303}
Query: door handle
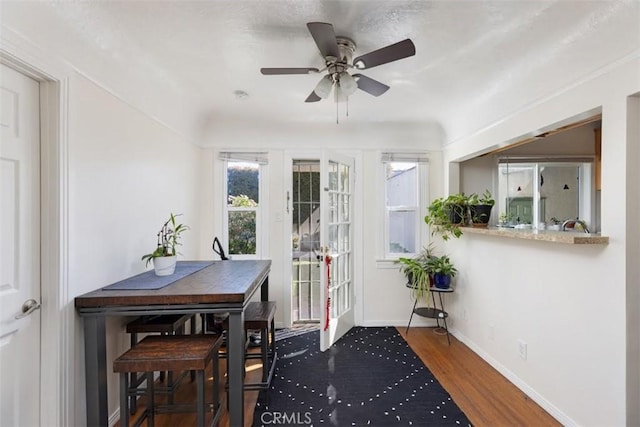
{"x": 28, "y": 307}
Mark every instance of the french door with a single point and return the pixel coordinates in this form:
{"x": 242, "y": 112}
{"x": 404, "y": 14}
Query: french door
{"x": 336, "y": 248}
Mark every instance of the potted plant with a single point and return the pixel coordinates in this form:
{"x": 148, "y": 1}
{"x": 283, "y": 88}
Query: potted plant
{"x": 504, "y": 220}
{"x": 480, "y": 208}
{"x": 442, "y": 269}
{"x": 418, "y": 272}
{"x": 165, "y": 255}
{"x": 445, "y": 215}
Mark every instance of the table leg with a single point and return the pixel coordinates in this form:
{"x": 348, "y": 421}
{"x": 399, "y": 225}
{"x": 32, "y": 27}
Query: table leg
{"x": 264, "y": 290}
{"x": 235, "y": 361}
{"x": 95, "y": 367}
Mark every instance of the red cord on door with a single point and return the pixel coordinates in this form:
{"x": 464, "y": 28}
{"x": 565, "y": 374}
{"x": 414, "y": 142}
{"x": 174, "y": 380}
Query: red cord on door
{"x": 327, "y": 262}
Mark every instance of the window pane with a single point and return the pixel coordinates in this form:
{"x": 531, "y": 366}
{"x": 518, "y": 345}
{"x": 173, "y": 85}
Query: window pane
{"x": 343, "y": 243}
{"x": 242, "y": 232}
{"x": 333, "y": 176}
{"x": 242, "y": 183}
{"x": 344, "y": 178}
{"x": 333, "y": 208}
{"x": 516, "y": 190}
{"x": 401, "y": 184}
{"x": 332, "y": 241}
{"x": 344, "y": 208}
{"x": 559, "y": 189}
{"x": 402, "y": 232}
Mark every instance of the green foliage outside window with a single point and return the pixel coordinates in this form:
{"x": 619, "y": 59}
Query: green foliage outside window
{"x": 242, "y": 226}
{"x": 243, "y": 181}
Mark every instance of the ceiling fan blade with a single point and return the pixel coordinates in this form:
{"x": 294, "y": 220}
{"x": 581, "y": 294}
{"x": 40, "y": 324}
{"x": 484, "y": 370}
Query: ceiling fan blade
{"x": 370, "y": 86}
{"x": 312, "y": 97}
{"x": 325, "y": 38}
{"x": 391, "y": 53}
{"x": 278, "y": 71}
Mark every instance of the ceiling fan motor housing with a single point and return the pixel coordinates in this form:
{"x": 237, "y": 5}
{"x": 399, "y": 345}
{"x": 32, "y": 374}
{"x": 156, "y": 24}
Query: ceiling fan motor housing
{"x": 335, "y": 66}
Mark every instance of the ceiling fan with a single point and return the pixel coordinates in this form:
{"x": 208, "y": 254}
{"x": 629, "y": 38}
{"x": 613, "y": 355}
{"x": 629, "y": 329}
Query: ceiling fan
{"x": 338, "y": 58}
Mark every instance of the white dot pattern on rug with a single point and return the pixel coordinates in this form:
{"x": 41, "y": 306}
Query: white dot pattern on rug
{"x": 369, "y": 377}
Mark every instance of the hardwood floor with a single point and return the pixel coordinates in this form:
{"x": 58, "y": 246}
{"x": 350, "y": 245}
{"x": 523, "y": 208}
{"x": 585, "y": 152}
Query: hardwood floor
{"x": 483, "y": 394}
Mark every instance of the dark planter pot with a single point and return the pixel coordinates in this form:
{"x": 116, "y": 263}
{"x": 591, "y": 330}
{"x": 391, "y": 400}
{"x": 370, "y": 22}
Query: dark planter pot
{"x": 441, "y": 281}
{"x": 480, "y": 214}
{"x": 410, "y": 280}
{"x": 456, "y": 214}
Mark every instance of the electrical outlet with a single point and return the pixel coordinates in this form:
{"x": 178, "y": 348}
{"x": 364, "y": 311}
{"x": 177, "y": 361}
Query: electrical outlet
{"x": 522, "y": 349}
{"x": 492, "y": 332}
{"x": 464, "y": 314}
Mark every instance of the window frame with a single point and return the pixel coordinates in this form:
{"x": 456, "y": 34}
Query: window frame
{"x": 586, "y": 190}
{"x": 422, "y": 197}
{"x": 260, "y": 210}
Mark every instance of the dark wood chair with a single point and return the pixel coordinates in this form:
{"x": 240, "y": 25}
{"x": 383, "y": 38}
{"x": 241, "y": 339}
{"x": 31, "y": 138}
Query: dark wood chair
{"x": 168, "y": 324}
{"x": 159, "y": 353}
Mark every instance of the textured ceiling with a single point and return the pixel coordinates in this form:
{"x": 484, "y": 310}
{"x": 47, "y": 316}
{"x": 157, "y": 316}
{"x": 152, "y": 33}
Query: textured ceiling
{"x": 181, "y": 61}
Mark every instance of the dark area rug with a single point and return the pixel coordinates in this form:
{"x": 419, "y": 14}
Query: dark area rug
{"x": 370, "y": 377}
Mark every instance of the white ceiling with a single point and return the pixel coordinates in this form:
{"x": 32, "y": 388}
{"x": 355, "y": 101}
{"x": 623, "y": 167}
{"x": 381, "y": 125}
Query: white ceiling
{"x": 181, "y": 61}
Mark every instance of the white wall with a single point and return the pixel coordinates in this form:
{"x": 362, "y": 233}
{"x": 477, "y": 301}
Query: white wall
{"x": 126, "y": 174}
{"x": 568, "y": 303}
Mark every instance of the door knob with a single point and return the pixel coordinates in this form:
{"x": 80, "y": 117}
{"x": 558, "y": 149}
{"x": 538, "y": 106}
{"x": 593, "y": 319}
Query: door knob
{"x": 28, "y": 307}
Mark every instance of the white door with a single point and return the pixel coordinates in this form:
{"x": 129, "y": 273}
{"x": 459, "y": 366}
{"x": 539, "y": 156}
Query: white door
{"x": 19, "y": 249}
{"x": 337, "y": 295}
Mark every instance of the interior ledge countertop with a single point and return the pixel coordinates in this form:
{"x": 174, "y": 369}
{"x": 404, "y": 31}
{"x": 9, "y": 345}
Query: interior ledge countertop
{"x": 568, "y": 237}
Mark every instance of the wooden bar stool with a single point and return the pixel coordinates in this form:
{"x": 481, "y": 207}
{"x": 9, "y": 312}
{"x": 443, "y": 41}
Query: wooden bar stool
{"x": 168, "y": 324}
{"x": 260, "y": 315}
{"x": 171, "y": 353}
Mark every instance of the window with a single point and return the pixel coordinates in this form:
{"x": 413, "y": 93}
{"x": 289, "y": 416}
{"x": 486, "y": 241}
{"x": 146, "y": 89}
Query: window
{"x": 244, "y": 176}
{"x": 545, "y": 190}
{"x": 405, "y": 187}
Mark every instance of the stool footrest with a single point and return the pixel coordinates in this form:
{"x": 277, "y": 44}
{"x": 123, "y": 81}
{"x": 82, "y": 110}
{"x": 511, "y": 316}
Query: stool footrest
{"x": 264, "y": 384}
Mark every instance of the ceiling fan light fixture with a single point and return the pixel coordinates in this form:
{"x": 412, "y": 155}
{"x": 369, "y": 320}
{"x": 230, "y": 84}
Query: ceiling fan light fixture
{"x": 347, "y": 83}
{"x": 340, "y": 94}
{"x": 324, "y": 86}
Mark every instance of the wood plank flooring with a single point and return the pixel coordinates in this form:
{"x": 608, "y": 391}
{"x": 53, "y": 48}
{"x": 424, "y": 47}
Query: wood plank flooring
{"x": 485, "y": 396}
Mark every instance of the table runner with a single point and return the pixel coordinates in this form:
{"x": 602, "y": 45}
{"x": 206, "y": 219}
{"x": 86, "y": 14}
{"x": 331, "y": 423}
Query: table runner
{"x": 149, "y": 280}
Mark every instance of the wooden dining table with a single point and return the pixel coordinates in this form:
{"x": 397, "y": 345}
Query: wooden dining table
{"x": 221, "y": 287}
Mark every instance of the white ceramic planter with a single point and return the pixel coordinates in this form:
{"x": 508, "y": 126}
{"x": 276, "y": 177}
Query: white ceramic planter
{"x": 165, "y": 265}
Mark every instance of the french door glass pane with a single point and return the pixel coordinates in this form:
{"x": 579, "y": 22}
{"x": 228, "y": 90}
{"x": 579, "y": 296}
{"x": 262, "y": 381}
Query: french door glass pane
{"x": 344, "y": 208}
{"x": 344, "y": 178}
{"x": 333, "y": 176}
{"x": 333, "y": 207}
